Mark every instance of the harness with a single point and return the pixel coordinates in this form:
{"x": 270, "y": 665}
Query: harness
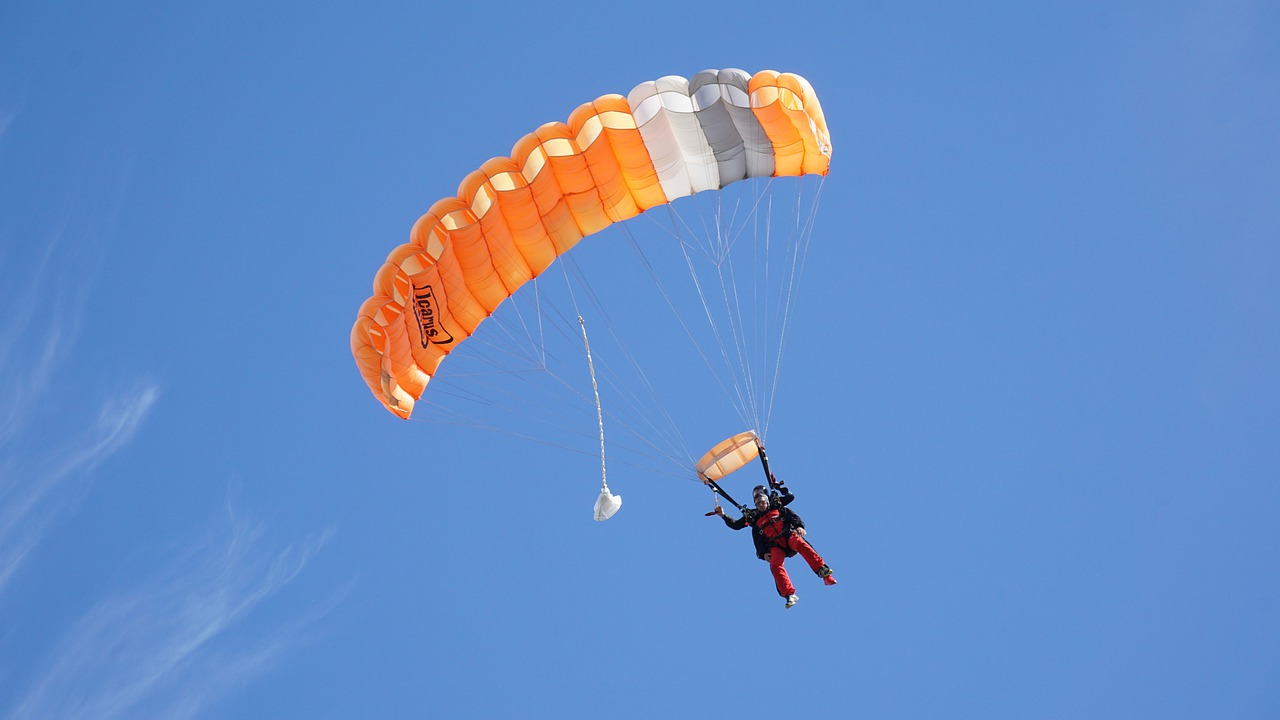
{"x": 773, "y": 526}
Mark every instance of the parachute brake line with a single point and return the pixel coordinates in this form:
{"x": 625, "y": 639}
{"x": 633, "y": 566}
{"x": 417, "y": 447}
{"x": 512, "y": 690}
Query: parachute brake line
{"x": 608, "y": 503}
{"x": 715, "y": 498}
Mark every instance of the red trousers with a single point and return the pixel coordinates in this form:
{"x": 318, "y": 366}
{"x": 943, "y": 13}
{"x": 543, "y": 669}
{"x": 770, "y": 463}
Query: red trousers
{"x": 777, "y": 556}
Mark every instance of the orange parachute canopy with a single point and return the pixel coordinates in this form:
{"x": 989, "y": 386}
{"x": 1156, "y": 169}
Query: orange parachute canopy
{"x": 615, "y": 158}
{"x": 728, "y": 456}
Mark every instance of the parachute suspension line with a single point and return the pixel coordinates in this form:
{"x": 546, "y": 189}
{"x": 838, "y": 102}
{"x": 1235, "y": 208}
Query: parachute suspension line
{"x": 731, "y": 235}
{"x": 534, "y": 343}
{"x": 496, "y": 393}
{"x": 738, "y": 336}
{"x": 455, "y": 419}
{"x": 678, "y": 467}
{"x": 759, "y": 296}
{"x": 514, "y": 346}
{"x": 678, "y": 449}
{"x": 645, "y": 421}
{"x": 751, "y": 342}
{"x": 723, "y": 230}
{"x": 639, "y": 416}
{"x": 662, "y": 288}
{"x": 488, "y": 394}
{"x": 509, "y": 333}
{"x": 752, "y": 345}
{"x": 516, "y": 404}
{"x": 742, "y": 340}
{"x": 491, "y": 396}
{"x": 800, "y": 252}
{"x": 768, "y": 316}
{"x": 720, "y": 251}
{"x": 542, "y": 338}
{"x": 498, "y": 353}
{"x": 685, "y": 239}
{"x": 750, "y": 386}
{"x": 641, "y": 413}
{"x": 752, "y": 215}
{"x": 740, "y": 404}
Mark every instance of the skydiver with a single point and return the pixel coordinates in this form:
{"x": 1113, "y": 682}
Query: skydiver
{"x": 778, "y": 533}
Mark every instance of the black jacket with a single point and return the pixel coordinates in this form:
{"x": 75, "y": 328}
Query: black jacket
{"x": 790, "y": 521}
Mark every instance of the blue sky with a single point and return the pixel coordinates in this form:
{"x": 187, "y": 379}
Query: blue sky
{"x": 1029, "y": 403}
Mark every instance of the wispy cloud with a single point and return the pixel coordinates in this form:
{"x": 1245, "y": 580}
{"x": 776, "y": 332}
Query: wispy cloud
{"x": 40, "y": 478}
{"x": 168, "y": 647}
{"x": 37, "y": 331}
{"x": 34, "y": 491}
{"x": 47, "y": 457}
{"x": 166, "y": 644}
{"x": 46, "y": 276}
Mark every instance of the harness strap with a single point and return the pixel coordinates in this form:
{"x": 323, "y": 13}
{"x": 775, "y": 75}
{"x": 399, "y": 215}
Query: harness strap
{"x": 783, "y": 530}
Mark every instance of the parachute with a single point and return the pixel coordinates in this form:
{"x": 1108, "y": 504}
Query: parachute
{"x": 728, "y": 456}
{"x": 614, "y": 159}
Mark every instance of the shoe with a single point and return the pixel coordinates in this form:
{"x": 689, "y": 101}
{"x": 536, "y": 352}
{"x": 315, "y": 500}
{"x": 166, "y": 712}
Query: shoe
{"x": 829, "y": 580}
{"x": 791, "y": 600}
{"x": 824, "y": 572}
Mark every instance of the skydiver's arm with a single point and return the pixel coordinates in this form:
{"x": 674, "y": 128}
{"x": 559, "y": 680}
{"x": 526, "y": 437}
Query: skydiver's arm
{"x": 733, "y": 524}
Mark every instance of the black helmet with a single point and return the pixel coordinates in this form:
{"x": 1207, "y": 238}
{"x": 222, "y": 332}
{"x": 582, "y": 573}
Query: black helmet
{"x": 759, "y": 490}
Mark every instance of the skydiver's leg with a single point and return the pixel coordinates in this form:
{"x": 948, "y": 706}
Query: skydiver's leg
{"x": 807, "y": 552}
{"x": 780, "y": 578}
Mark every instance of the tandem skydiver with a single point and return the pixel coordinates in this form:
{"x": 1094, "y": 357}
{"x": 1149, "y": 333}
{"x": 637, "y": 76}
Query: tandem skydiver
{"x": 778, "y": 533}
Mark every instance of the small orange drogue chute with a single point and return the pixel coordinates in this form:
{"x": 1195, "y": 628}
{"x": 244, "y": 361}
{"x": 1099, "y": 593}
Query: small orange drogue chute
{"x": 729, "y": 456}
